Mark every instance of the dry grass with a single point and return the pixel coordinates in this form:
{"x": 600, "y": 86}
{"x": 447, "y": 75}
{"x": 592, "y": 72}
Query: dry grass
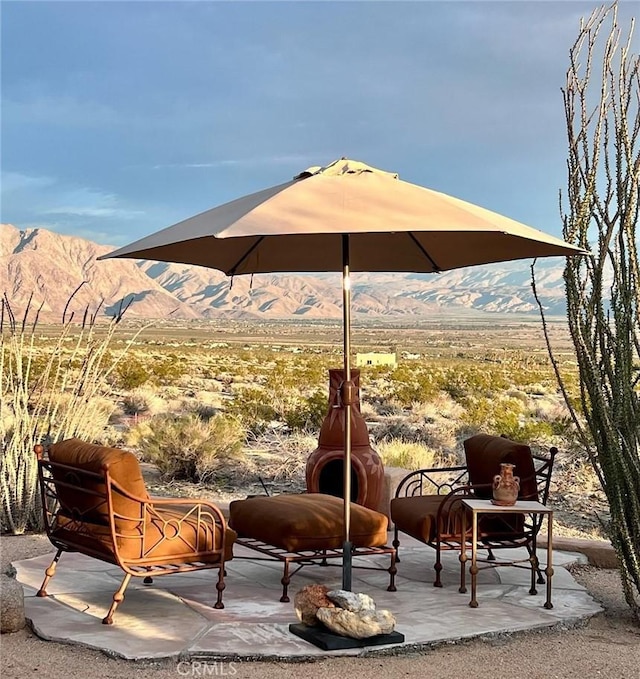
{"x": 407, "y": 454}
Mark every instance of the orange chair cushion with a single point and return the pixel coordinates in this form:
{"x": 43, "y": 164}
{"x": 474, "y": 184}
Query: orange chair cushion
{"x": 417, "y": 516}
{"x": 311, "y": 521}
{"x": 485, "y": 453}
{"x": 123, "y": 469}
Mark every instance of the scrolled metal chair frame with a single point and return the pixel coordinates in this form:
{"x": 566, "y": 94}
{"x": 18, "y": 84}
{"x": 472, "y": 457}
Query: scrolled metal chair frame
{"x": 455, "y": 487}
{"x": 204, "y": 518}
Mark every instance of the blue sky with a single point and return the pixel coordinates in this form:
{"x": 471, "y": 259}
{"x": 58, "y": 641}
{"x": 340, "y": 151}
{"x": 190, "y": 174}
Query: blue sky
{"x": 121, "y": 118}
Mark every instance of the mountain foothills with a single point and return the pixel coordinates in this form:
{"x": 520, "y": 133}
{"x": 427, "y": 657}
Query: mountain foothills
{"x": 49, "y": 267}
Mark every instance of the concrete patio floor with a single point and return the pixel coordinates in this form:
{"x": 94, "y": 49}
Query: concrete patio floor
{"x": 175, "y": 617}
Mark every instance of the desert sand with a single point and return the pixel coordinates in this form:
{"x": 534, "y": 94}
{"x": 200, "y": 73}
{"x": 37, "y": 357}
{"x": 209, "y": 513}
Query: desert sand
{"x": 607, "y": 646}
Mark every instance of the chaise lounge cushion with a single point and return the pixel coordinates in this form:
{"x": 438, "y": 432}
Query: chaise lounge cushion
{"x": 311, "y": 521}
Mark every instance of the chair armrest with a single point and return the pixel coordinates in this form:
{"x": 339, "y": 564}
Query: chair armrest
{"x": 168, "y": 515}
{"x": 189, "y": 505}
{"x": 424, "y": 481}
{"x": 459, "y": 493}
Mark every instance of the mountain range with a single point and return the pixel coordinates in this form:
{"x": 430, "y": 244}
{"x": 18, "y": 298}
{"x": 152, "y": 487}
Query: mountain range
{"x": 48, "y": 267}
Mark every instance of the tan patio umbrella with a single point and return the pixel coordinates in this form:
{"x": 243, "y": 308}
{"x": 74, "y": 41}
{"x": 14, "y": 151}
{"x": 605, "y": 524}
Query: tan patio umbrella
{"x": 346, "y": 216}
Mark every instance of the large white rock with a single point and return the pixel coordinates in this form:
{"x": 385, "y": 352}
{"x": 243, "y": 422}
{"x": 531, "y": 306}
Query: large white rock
{"x": 350, "y": 601}
{"x": 356, "y": 625}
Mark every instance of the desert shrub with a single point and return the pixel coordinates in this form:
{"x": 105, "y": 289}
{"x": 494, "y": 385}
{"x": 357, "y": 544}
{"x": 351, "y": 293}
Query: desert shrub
{"x": 537, "y": 389}
{"x": 167, "y": 370}
{"x": 171, "y": 392}
{"x": 368, "y": 410}
{"x": 397, "y": 428}
{"x": 253, "y": 407}
{"x": 308, "y": 413}
{"x": 506, "y": 416}
{"x": 135, "y": 435}
{"x": 189, "y": 448}
{"x": 411, "y": 384}
{"x": 204, "y": 411}
{"x": 111, "y": 436}
{"x": 424, "y": 432}
{"x": 461, "y": 382}
{"x": 131, "y": 374}
{"x": 259, "y": 407}
{"x": 142, "y": 401}
{"x": 441, "y": 408}
{"x": 406, "y": 454}
{"x": 379, "y": 406}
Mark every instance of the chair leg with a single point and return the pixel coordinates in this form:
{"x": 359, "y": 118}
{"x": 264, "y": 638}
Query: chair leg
{"x": 535, "y": 567}
{"x": 220, "y": 587}
{"x": 285, "y": 583}
{"x": 118, "y": 597}
{"x": 532, "y": 553}
{"x": 463, "y": 574}
{"x": 392, "y": 574}
{"x": 396, "y": 543}
{"x": 541, "y": 578}
{"x": 438, "y": 567}
{"x": 48, "y": 574}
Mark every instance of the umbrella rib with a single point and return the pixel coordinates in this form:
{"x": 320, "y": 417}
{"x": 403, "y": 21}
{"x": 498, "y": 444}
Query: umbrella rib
{"x": 232, "y": 270}
{"x": 436, "y": 268}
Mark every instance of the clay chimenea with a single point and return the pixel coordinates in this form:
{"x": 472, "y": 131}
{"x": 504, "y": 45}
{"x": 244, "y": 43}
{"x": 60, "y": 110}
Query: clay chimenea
{"x": 324, "y": 471}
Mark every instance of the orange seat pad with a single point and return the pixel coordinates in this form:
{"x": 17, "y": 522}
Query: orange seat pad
{"x": 310, "y": 521}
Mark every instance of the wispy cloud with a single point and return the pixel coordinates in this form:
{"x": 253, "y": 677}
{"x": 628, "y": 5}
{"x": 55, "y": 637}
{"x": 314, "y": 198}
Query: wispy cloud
{"x": 16, "y": 181}
{"x": 246, "y": 162}
{"x": 86, "y": 202}
{"x": 47, "y": 196}
{"x": 79, "y": 211}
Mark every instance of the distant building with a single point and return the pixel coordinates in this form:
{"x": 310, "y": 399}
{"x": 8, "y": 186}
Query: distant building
{"x": 375, "y": 358}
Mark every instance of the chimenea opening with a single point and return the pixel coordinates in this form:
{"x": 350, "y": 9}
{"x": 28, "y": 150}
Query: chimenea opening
{"x": 331, "y": 480}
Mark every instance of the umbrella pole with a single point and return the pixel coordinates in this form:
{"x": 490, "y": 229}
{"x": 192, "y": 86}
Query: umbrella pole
{"x": 347, "y": 398}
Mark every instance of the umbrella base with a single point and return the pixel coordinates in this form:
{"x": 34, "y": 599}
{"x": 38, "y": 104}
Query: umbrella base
{"x": 328, "y": 641}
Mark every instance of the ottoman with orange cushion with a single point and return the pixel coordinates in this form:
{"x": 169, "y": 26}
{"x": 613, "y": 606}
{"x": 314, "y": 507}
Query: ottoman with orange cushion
{"x": 307, "y": 527}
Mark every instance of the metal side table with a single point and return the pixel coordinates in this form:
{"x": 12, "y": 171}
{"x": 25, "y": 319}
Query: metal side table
{"x": 478, "y": 507}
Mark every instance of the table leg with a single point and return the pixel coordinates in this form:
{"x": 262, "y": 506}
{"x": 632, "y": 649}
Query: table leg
{"x": 463, "y": 552}
{"x": 535, "y": 564}
{"x": 549, "y": 569}
{"x": 474, "y": 567}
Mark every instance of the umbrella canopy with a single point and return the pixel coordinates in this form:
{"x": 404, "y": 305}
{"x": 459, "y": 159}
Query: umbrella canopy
{"x": 392, "y": 225}
{"x": 352, "y": 217}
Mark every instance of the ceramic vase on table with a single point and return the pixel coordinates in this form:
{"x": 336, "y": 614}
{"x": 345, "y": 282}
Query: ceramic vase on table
{"x": 506, "y": 486}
